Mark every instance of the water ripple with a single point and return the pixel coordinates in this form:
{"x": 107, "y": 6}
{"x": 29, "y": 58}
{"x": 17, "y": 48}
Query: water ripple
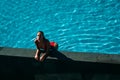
{"x": 76, "y": 25}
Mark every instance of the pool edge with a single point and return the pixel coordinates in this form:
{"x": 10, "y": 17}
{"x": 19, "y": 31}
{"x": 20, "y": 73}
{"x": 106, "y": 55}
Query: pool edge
{"x": 76, "y": 56}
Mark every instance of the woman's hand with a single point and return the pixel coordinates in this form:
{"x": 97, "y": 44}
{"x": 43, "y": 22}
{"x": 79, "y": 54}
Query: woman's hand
{"x": 36, "y": 57}
{"x": 42, "y": 58}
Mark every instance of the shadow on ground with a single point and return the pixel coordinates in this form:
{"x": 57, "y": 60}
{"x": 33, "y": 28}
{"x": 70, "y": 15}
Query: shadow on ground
{"x": 23, "y": 68}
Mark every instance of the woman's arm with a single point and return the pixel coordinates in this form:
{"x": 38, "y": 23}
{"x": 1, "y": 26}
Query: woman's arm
{"x": 43, "y": 57}
{"x": 37, "y": 54}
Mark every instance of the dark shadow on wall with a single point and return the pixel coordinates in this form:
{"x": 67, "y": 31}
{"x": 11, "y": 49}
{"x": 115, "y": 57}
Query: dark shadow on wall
{"x": 60, "y": 56}
{"x": 23, "y": 68}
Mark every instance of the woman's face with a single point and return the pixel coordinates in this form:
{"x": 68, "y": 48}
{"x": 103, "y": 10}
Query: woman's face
{"x": 39, "y": 36}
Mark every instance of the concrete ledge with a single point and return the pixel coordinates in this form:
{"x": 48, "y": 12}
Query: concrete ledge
{"x": 76, "y": 56}
{"x": 19, "y": 64}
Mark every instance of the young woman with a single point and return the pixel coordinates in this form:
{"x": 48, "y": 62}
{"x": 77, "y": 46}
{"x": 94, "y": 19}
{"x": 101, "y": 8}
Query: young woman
{"x": 43, "y": 46}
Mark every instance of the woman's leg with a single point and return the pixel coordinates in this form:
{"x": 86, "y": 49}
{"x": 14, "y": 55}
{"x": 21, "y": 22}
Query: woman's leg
{"x": 37, "y": 55}
{"x": 43, "y": 57}
{"x": 56, "y": 46}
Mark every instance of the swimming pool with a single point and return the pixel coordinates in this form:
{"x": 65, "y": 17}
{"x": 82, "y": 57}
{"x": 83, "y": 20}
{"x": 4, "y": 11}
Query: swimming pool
{"x": 76, "y": 25}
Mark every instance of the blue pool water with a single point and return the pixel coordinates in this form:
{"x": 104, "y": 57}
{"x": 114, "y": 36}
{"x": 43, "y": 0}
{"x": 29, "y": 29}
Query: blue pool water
{"x": 76, "y": 25}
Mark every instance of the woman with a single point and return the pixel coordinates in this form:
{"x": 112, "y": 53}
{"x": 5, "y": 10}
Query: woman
{"x": 43, "y": 46}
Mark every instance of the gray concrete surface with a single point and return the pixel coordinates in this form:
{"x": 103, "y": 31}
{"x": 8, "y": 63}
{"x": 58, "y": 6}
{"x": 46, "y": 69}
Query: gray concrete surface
{"x": 77, "y": 56}
{"x": 19, "y": 64}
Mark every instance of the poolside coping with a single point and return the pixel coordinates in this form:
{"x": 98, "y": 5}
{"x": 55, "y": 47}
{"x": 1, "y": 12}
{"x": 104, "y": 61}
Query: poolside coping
{"x": 76, "y": 56}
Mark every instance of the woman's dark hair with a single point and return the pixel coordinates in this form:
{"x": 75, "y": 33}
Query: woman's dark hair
{"x": 42, "y": 34}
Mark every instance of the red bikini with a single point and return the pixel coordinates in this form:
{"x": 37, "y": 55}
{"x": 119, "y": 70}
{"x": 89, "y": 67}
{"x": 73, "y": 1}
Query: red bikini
{"x": 52, "y": 44}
